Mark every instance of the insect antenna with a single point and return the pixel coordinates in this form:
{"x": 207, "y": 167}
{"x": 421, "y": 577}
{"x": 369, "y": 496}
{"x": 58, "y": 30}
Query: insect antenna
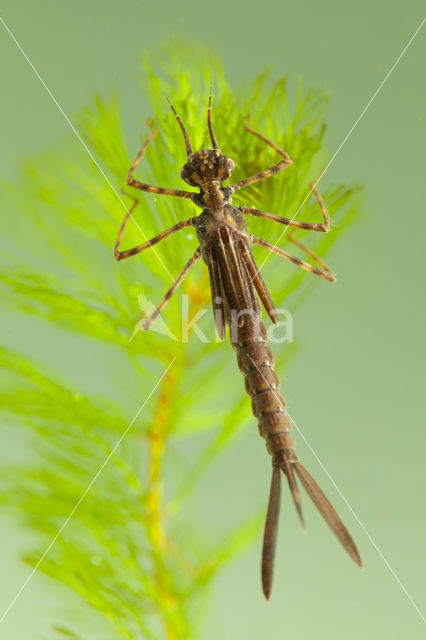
{"x": 185, "y": 134}
{"x": 209, "y": 120}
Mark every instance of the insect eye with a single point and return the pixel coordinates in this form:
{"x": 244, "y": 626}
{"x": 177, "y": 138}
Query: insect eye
{"x": 228, "y": 165}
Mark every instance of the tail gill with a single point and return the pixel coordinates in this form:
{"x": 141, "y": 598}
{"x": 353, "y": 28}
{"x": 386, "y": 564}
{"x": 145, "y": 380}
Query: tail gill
{"x": 289, "y": 464}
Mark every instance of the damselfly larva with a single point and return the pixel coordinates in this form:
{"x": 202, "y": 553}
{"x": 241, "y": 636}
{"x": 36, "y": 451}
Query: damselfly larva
{"x": 226, "y": 248}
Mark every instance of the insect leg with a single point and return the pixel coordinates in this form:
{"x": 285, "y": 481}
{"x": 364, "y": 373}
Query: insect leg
{"x": 310, "y": 253}
{"x": 290, "y": 222}
{"x": 131, "y": 182}
{"x": 322, "y": 273}
{"x": 122, "y": 255}
{"x": 181, "y": 277}
{"x": 285, "y": 162}
{"x": 326, "y": 217}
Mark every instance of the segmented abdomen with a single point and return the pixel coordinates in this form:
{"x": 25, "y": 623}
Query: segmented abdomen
{"x": 262, "y": 384}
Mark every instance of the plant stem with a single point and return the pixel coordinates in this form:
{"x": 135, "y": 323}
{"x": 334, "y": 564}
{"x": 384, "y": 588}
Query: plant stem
{"x": 157, "y": 438}
{"x": 155, "y": 521}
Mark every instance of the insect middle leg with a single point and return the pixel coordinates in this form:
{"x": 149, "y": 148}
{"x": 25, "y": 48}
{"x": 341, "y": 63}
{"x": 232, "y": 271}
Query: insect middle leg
{"x": 290, "y": 222}
{"x": 122, "y": 255}
{"x": 285, "y": 162}
{"x": 131, "y": 182}
{"x": 323, "y": 272}
{"x": 146, "y": 324}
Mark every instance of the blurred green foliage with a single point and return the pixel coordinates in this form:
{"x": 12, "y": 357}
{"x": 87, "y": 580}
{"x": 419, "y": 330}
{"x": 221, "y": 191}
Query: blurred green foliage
{"x": 123, "y": 552}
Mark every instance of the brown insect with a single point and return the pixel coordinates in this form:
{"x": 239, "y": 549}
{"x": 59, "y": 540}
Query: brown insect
{"x": 226, "y": 248}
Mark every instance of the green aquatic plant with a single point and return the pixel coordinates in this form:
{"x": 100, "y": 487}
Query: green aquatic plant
{"x": 128, "y": 551}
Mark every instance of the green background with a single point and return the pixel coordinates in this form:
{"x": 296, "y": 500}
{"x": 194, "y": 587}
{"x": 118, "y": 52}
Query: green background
{"x": 356, "y": 387}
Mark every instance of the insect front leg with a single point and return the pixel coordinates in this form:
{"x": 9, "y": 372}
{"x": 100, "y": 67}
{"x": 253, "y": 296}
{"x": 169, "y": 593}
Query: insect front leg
{"x": 285, "y": 162}
{"x": 131, "y": 182}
